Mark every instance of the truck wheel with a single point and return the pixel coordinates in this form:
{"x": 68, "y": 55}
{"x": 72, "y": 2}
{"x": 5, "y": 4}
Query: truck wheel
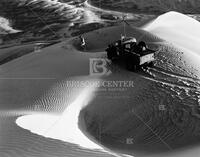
{"x": 142, "y": 44}
{"x": 110, "y": 55}
{"x": 145, "y": 66}
{"x": 130, "y": 65}
{"x": 151, "y": 64}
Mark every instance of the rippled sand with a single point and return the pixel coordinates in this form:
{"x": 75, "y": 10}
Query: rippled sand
{"x": 35, "y": 84}
{"x": 161, "y": 111}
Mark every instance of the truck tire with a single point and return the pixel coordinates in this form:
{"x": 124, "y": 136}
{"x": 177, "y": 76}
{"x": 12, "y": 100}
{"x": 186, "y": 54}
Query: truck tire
{"x": 110, "y": 55}
{"x": 145, "y": 66}
{"x": 142, "y": 44}
{"x": 130, "y": 65}
{"x": 151, "y": 64}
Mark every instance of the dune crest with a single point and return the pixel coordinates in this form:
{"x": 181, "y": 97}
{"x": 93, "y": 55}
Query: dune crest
{"x": 183, "y": 32}
{"x": 63, "y": 127}
{"x": 118, "y": 118}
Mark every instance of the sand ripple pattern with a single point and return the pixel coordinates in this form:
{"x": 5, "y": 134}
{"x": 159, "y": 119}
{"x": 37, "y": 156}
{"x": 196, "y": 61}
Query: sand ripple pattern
{"x": 56, "y": 99}
{"x": 161, "y": 114}
{"x": 18, "y": 142}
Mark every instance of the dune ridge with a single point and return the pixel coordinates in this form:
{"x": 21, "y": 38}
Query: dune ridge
{"x": 183, "y": 34}
{"x": 176, "y": 77}
{"x": 173, "y": 82}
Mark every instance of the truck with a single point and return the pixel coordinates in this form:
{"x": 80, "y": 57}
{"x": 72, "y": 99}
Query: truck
{"x": 135, "y": 55}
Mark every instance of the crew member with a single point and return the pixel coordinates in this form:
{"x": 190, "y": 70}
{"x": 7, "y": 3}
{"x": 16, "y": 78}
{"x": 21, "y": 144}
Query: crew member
{"x": 134, "y": 40}
{"x": 134, "y": 45}
{"x": 122, "y": 37}
{"x": 83, "y": 44}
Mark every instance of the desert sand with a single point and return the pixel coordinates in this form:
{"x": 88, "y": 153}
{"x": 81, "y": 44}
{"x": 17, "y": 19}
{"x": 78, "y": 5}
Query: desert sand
{"x": 43, "y": 116}
{"x": 5, "y": 27}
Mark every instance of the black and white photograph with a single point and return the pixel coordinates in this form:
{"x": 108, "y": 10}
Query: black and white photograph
{"x": 99, "y": 78}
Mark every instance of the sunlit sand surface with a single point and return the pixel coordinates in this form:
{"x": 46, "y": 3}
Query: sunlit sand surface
{"x": 53, "y": 119}
{"x": 63, "y": 127}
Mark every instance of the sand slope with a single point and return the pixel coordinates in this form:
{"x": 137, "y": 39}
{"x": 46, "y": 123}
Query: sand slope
{"x": 174, "y": 83}
{"x": 183, "y": 33}
{"x": 37, "y": 83}
{"x": 27, "y": 88}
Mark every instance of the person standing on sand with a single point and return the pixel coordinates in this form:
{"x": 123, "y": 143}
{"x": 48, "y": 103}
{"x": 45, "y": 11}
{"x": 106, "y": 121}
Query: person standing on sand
{"x": 83, "y": 44}
{"x": 122, "y": 37}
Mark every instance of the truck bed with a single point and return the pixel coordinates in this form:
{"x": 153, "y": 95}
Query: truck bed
{"x": 146, "y": 52}
{"x": 147, "y": 57}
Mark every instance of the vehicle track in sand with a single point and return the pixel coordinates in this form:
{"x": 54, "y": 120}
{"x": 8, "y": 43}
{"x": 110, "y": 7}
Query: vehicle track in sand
{"x": 172, "y": 79}
{"x": 183, "y": 88}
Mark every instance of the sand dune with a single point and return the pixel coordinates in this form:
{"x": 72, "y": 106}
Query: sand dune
{"x": 68, "y": 132}
{"x": 185, "y": 30}
{"x": 36, "y": 96}
{"x": 39, "y": 91}
{"x": 29, "y": 14}
{"x": 176, "y": 76}
{"x": 183, "y": 33}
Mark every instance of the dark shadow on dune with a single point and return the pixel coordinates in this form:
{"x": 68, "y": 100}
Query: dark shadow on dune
{"x": 135, "y": 126}
{"x": 133, "y": 120}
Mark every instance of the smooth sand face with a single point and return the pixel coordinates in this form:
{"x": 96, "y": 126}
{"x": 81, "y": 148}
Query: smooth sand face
{"x": 37, "y": 83}
{"x": 183, "y": 33}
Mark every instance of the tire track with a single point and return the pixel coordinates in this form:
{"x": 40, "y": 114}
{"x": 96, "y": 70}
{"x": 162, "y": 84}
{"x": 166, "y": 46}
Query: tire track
{"x": 171, "y": 79}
